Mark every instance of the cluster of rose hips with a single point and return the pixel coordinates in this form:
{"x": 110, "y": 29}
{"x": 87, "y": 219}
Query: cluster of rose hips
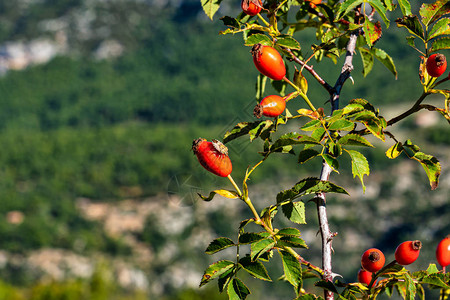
{"x": 213, "y": 156}
{"x": 406, "y": 253}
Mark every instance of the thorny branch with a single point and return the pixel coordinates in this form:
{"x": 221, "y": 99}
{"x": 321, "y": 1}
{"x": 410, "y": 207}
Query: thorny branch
{"x": 326, "y": 234}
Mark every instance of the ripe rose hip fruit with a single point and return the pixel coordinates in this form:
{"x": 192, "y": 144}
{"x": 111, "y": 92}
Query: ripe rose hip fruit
{"x": 436, "y": 65}
{"x": 372, "y": 260}
{"x": 271, "y": 106}
{"x": 213, "y": 156}
{"x": 313, "y": 3}
{"x": 364, "y": 276}
{"x": 251, "y": 7}
{"x": 407, "y": 252}
{"x": 443, "y": 252}
{"x": 268, "y": 61}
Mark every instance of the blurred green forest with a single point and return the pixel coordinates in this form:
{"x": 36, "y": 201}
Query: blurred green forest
{"x": 77, "y": 127}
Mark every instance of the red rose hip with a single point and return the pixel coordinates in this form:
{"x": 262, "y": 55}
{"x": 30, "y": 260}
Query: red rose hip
{"x": 407, "y": 252}
{"x": 271, "y": 106}
{"x": 436, "y": 65}
{"x": 251, "y": 7}
{"x": 372, "y": 260}
{"x": 213, "y": 156}
{"x": 443, "y": 252}
{"x": 364, "y": 276}
{"x": 268, "y": 61}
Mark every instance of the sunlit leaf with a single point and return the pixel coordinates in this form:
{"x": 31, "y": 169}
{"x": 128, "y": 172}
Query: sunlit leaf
{"x": 440, "y": 28}
{"x": 288, "y": 42}
{"x": 237, "y": 290}
{"x": 394, "y": 151}
{"x": 381, "y": 10}
{"x": 352, "y": 139}
{"x": 258, "y": 38}
{"x": 289, "y": 231}
{"x": 347, "y": 7}
{"x": 440, "y": 44}
{"x": 295, "y": 212}
{"x": 360, "y": 166}
{"x": 385, "y": 59}
{"x": 292, "y": 268}
{"x": 432, "y": 167}
{"x": 261, "y": 247}
{"x": 367, "y": 60}
{"x": 405, "y": 7}
{"x": 210, "y": 7}
{"x": 215, "y": 270}
{"x": 433, "y": 11}
{"x": 292, "y": 241}
{"x": 331, "y": 161}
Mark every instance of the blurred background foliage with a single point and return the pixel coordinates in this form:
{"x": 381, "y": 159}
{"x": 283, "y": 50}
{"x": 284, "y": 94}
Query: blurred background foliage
{"x": 106, "y": 130}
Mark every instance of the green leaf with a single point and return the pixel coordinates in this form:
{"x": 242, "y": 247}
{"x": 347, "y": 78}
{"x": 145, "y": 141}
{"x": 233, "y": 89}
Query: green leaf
{"x": 253, "y": 129}
{"x": 289, "y": 231}
{"x": 215, "y": 270}
{"x": 352, "y": 139}
{"x": 331, "y": 161}
{"x": 341, "y": 124}
{"x": 364, "y": 103}
{"x": 290, "y": 139}
{"x": 306, "y": 155}
{"x": 381, "y": 10}
{"x": 292, "y": 269}
{"x": 225, "y": 278}
{"x": 255, "y": 268}
{"x": 218, "y": 245}
{"x": 440, "y": 44}
{"x": 237, "y": 290}
{"x": 360, "y": 166}
{"x": 433, "y": 11}
{"x": 261, "y": 247}
{"x": 432, "y": 269}
{"x": 288, "y": 42}
{"x": 258, "y": 38}
{"x": 385, "y": 59}
{"x": 311, "y": 125}
{"x": 347, "y": 7}
{"x": 292, "y": 241}
{"x": 210, "y": 7}
{"x": 313, "y": 185}
{"x": 436, "y": 280}
{"x": 440, "y": 28}
{"x": 405, "y": 7}
{"x": 432, "y": 167}
{"x": 394, "y": 151}
{"x": 327, "y": 285}
{"x": 295, "y": 212}
{"x": 251, "y": 237}
{"x": 367, "y": 60}
{"x": 352, "y": 108}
